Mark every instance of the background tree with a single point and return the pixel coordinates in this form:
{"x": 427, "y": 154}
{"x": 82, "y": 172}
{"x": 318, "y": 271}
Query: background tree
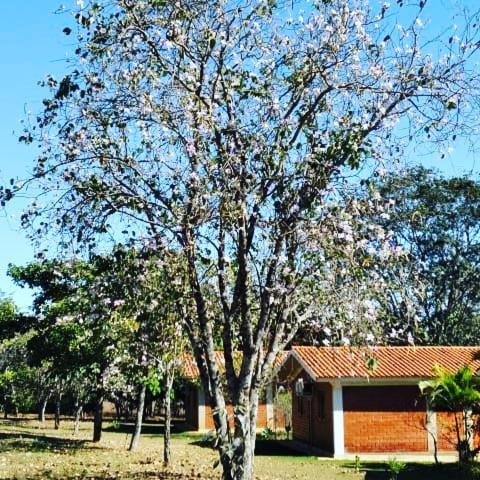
{"x": 437, "y": 220}
{"x": 220, "y": 129}
{"x": 77, "y": 329}
{"x": 16, "y": 373}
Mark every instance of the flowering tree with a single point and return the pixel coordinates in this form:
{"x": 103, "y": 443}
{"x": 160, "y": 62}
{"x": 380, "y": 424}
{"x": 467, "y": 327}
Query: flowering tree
{"x": 149, "y": 293}
{"x": 220, "y": 128}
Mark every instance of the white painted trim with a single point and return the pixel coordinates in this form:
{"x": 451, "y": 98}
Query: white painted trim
{"x": 269, "y": 406}
{"x": 365, "y": 381}
{"x": 338, "y": 424}
{"x": 201, "y": 408}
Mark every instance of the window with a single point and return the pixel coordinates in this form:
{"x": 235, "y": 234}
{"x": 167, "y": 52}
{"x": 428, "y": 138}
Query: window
{"x": 321, "y": 405}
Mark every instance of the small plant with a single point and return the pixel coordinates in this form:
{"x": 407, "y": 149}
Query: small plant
{"x": 395, "y": 467}
{"x": 115, "y": 424}
{"x": 267, "y": 434}
{"x": 209, "y": 439}
{"x": 357, "y": 464}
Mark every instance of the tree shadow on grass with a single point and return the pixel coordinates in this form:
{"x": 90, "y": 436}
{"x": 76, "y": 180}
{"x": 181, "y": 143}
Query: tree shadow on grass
{"x": 277, "y": 448}
{"x": 263, "y": 448}
{"x": 413, "y": 471}
{"x": 148, "y": 428}
{"x": 37, "y": 443}
{"x": 158, "y": 475}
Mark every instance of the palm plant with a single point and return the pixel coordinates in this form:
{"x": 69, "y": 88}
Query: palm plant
{"x": 459, "y": 393}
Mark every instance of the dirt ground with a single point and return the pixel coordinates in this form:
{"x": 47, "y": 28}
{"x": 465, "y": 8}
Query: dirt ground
{"x": 30, "y": 450}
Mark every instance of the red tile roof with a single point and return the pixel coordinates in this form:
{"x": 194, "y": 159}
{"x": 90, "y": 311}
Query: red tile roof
{"x": 391, "y": 362}
{"x": 190, "y": 369}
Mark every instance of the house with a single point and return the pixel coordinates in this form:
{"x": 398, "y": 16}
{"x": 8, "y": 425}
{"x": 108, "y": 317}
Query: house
{"x": 198, "y": 412}
{"x": 341, "y": 407}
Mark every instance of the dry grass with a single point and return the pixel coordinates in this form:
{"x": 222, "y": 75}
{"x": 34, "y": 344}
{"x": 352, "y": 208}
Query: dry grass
{"x": 30, "y": 450}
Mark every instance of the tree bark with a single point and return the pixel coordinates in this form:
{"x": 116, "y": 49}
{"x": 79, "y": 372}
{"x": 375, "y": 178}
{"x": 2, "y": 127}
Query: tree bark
{"x": 139, "y": 418}
{"x": 58, "y": 402}
{"x": 237, "y": 456}
{"x": 41, "y": 409}
{"x": 168, "y": 416}
{"x": 98, "y": 416}
{"x": 78, "y": 414}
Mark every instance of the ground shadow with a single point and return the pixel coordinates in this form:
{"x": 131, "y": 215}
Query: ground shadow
{"x": 37, "y": 443}
{"x": 263, "y": 448}
{"x": 148, "y": 428}
{"x": 274, "y": 448}
{"x": 413, "y": 471}
{"x": 158, "y": 475}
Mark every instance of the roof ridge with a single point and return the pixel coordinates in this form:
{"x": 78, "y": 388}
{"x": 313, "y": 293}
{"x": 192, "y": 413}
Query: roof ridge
{"x": 387, "y": 347}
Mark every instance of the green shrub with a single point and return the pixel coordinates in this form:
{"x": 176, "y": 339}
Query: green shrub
{"x": 395, "y": 467}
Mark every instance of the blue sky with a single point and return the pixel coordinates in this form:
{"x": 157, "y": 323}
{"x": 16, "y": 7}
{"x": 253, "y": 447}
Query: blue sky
{"x": 31, "y": 46}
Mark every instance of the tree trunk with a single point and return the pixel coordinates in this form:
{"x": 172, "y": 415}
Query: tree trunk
{"x": 237, "y": 456}
{"x": 118, "y": 411}
{"x": 78, "y": 414}
{"x": 168, "y": 416}
{"x": 237, "y": 453}
{"x": 139, "y": 418}
{"x": 41, "y": 409}
{"x": 98, "y": 416}
{"x": 58, "y": 402}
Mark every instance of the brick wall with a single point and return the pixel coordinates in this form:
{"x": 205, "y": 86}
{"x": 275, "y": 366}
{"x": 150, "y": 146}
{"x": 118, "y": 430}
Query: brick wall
{"x": 384, "y": 419}
{"x": 312, "y": 417}
{"x": 300, "y": 415}
{"x": 446, "y": 434}
{"x": 261, "y": 416}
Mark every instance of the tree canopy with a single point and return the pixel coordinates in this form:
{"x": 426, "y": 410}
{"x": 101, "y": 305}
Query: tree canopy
{"x": 437, "y": 220}
{"x": 221, "y": 130}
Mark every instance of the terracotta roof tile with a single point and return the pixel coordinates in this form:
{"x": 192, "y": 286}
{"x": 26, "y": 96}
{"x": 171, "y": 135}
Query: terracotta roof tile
{"x": 392, "y": 362}
{"x": 190, "y": 369}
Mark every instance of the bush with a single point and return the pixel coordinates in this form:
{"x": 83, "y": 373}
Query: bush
{"x": 394, "y": 468}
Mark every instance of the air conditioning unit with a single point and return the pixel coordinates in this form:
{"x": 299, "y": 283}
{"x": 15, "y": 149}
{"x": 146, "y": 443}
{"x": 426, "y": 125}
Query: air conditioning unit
{"x": 299, "y": 387}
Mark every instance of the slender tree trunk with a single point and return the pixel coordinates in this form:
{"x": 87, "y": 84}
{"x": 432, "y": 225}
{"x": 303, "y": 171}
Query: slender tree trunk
{"x": 118, "y": 411}
{"x": 5, "y": 408}
{"x": 78, "y": 414}
{"x": 98, "y": 416}
{"x": 14, "y": 401}
{"x": 58, "y": 402}
{"x": 41, "y": 409}
{"x": 168, "y": 415}
{"x": 139, "y": 418}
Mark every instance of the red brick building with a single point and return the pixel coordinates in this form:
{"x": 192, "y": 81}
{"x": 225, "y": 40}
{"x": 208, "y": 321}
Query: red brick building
{"x": 198, "y": 412}
{"x": 340, "y": 406}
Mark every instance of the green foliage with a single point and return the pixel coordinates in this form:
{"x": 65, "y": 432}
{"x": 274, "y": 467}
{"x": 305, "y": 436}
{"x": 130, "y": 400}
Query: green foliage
{"x": 453, "y": 391}
{"x": 267, "y": 434}
{"x": 437, "y": 220}
{"x": 395, "y": 467}
{"x": 457, "y": 392}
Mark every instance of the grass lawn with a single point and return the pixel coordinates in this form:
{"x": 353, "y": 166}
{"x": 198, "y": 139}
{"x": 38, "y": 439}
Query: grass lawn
{"x": 29, "y": 450}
